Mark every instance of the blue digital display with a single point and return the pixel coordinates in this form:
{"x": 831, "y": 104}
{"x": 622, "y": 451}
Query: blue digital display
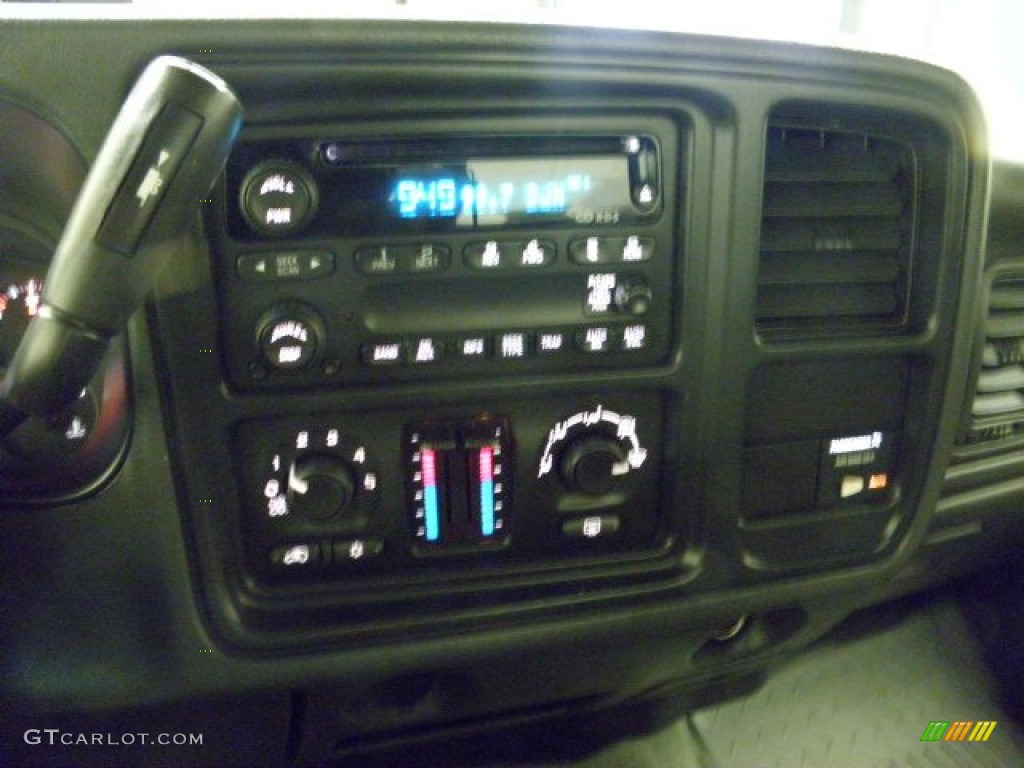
{"x": 495, "y": 191}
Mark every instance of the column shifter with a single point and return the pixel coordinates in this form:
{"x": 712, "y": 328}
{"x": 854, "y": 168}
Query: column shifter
{"x": 162, "y": 154}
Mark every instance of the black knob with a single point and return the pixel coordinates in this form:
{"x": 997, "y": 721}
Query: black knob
{"x": 278, "y": 198}
{"x": 289, "y": 336}
{"x": 593, "y": 464}
{"x": 633, "y": 298}
{"x": 320, "y": 487}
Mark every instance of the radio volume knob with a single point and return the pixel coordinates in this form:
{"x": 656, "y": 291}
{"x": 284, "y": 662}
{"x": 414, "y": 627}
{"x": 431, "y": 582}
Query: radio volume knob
{"x": 289, "y": 336}
{"x": 320, "y": 486}
{"x": 592, "y": 464}
{"x": 278, "y": 198}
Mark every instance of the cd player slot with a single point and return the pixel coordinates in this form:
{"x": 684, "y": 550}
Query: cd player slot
{"x": 472, "y": 305}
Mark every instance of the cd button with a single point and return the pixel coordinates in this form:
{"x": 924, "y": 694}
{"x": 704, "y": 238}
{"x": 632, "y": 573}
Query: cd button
{"x": 382, "y": 353}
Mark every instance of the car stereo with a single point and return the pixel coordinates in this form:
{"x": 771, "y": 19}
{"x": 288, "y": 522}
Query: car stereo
{"x": 369, "y": 258}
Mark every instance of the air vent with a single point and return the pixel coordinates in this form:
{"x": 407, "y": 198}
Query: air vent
{"x": 998, "y": 408}
{"x": 835, "y": 233}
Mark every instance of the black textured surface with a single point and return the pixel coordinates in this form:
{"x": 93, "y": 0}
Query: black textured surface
{"x": 861, "y": 699}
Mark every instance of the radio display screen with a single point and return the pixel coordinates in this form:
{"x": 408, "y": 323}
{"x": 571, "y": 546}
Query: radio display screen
{"x": 448, "y": 184}
{"x": 492, "y": 192}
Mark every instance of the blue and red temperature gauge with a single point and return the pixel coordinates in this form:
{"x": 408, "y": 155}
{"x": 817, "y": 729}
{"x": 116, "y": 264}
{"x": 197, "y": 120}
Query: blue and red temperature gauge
{"x": 457, "y": 482}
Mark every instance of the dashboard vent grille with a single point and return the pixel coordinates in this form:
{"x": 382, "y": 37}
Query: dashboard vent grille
{"x": 836, "y": 227}
{"x": 998, "y": 408}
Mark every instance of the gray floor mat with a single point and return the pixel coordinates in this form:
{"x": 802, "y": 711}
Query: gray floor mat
{"x": 861, "y": 703}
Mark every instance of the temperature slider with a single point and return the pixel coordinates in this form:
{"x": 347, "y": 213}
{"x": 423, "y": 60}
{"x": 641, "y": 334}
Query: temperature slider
{"x": 459, "y": 490}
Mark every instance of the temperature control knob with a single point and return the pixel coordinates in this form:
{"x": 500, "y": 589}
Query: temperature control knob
{"x": 320, "y": 486}
{"x": 593, "y": 464}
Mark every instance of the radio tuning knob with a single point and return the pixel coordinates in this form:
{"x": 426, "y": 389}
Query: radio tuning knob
{"x": 592, "y": 464}
{"x": 289, "y": 335}
{"x": 320, "y": 487}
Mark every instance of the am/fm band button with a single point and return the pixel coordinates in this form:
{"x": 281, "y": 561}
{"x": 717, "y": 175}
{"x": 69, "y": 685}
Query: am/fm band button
{"x": 381, "y": 353}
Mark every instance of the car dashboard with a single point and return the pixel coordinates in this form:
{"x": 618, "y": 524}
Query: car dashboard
{"x": 509, "y": 373}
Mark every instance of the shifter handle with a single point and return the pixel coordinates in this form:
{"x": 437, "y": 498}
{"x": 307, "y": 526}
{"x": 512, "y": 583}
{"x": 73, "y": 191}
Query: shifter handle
{"x": 162, "y": 154}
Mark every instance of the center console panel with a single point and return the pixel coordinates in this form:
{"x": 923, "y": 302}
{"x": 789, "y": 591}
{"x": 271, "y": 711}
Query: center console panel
{"x": 493, "y": 351}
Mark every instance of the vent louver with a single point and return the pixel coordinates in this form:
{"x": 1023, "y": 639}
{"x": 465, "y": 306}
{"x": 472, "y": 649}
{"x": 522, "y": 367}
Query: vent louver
{"x": 998, "y": 408}
{"x": 835, "y": 233}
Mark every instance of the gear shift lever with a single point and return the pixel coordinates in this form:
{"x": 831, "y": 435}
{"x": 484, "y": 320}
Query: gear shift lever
{"x": 162, "y": 154}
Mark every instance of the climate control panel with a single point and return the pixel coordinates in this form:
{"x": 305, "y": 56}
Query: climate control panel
{"x": 338, "y": 495}
{"x": 459, "y": 490}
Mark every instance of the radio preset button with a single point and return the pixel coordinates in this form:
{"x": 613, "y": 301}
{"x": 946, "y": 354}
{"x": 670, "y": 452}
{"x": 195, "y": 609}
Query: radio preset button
{"x": 592, "y": 250}
{"x": 391, "y": 259}
{"x": 506, "y": 254}
{"x": 377, "y": 260}
{"x": 635, "y": 248}
{"x": 427, "y": 257}
{"x": 487, "y": 255}
{"x": 611, "y": 250}
{"x": 286, "y": 265}
{"x": 382, "y": 353}
{"x": 535, "y": 253}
